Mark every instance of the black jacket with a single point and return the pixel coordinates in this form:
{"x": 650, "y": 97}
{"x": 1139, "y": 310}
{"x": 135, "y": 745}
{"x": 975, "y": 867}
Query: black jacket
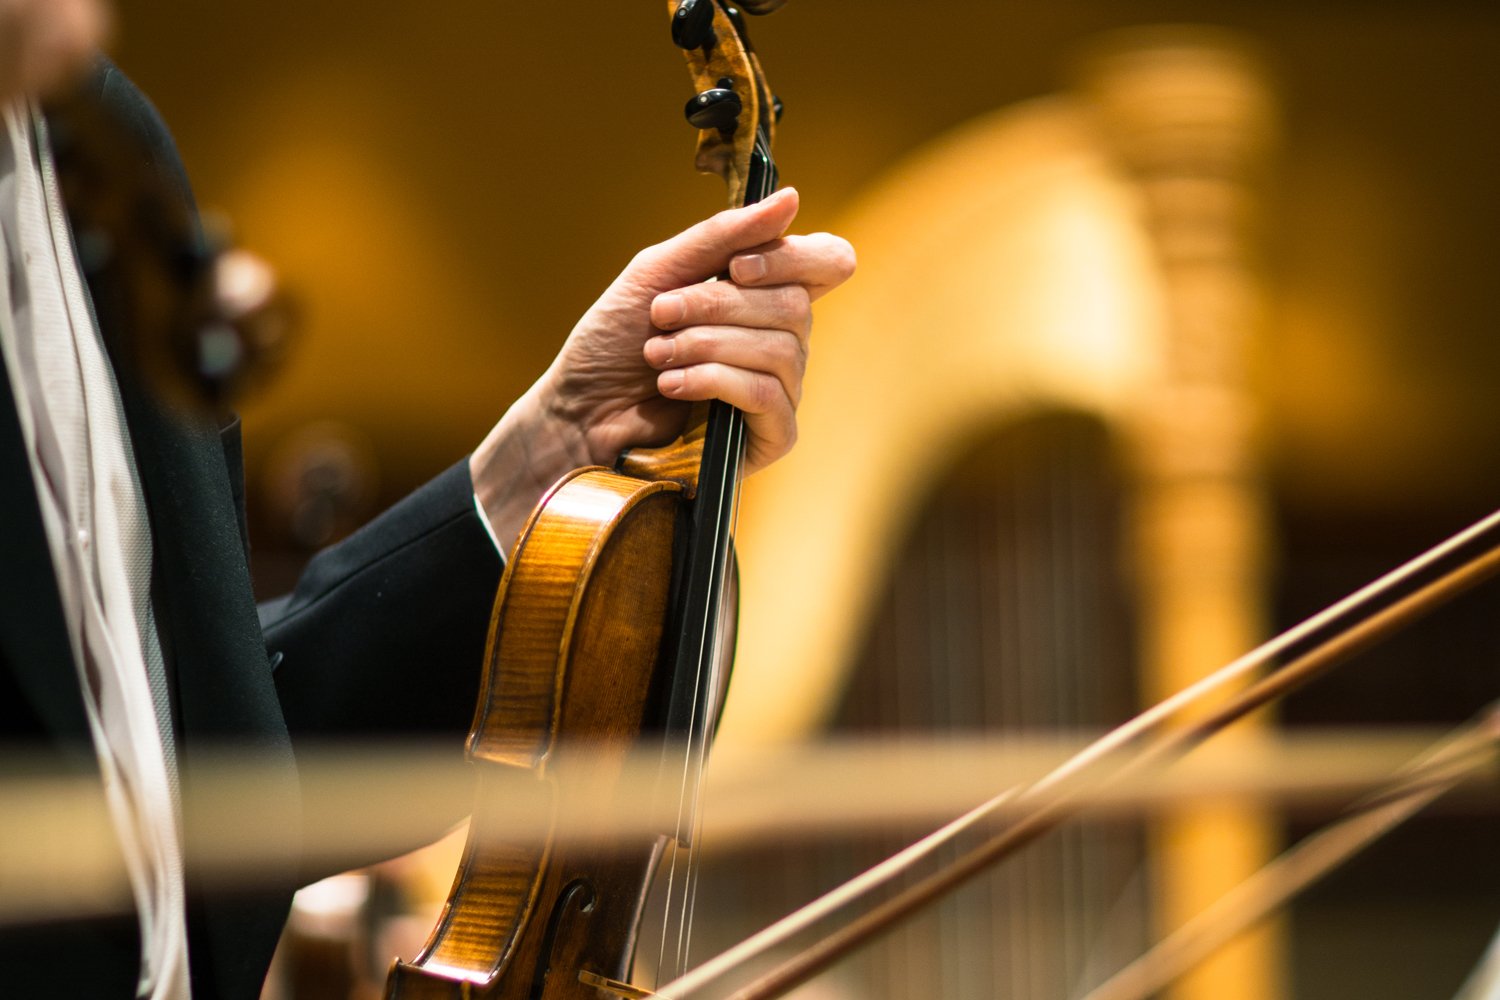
{"x": 383, "y": 635}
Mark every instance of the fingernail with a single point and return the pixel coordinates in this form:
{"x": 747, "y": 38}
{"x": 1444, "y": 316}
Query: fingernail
{"x": 750, "y": 267}
{"x": 669, "y": 308}
{"x": 661, "y": 350}
{"x": 671, "y": 381}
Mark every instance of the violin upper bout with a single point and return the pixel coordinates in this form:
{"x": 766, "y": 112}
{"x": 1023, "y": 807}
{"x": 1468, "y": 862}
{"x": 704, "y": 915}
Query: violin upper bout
{"x": 598, "y": 539}
{"x": 573, "y": 648}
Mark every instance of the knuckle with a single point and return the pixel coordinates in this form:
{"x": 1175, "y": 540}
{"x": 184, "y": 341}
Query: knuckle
{"x": 765, "y": 389}
{"x": 794, "y": 301}
{"x": 777, "y": 248}
{"x": 777, "y": 435}
{"x": 689, "y": 344}
{"x": 719, "y": 227}
{"x": 787, "y": 349}
{"x": 708, "y": 229}
{"x": 647, "y": 257}
{"x": 715, "y": 300}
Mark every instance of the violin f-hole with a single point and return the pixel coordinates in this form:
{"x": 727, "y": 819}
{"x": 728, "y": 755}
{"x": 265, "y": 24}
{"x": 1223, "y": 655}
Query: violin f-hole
{"x": 581, "y": 890}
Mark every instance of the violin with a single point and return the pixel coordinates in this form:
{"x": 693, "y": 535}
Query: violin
{"x": 613, "y": 626}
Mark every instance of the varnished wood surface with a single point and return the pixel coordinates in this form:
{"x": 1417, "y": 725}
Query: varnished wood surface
{"x": 728, "y": 58}
{"x": 573, "y": 645}
{"x": 677, "y": 462}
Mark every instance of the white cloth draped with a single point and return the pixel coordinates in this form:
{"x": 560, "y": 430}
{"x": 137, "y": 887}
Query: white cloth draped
{"x": 99, "y": 536}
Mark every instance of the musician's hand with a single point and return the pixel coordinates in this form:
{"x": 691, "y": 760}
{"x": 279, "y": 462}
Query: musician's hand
{"x": 46, "y": 42}
{"x": 662, "y": 336}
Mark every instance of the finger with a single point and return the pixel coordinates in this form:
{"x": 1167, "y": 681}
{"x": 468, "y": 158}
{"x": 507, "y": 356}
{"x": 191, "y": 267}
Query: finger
{"x": 769, "y": 415}
{"x": 775, "y": 352}
{"x": 819, "y": 262}
{"x": 723, "y": 303}
{"x": 704, "y": 250}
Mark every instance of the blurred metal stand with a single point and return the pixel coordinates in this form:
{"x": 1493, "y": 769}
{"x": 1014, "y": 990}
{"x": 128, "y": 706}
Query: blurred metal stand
{"x": 1190, "y": 115}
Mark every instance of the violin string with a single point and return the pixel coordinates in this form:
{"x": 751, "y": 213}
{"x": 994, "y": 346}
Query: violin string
{"x": 701, "y": 728}
{"x": 700, "y": 725}
{"x": 678, "y": 905}
{"x": 671, "y": 906}
{"x": 714, "y": 651}
{"x": 700, "y": 734}
{"x": 666, "y": 918}
{"x": 716, "y": 666}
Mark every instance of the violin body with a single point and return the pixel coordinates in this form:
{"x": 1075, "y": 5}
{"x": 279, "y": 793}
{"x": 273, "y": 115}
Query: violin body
{"x": 613, "y": 631}
{"x": 574, "y": 648}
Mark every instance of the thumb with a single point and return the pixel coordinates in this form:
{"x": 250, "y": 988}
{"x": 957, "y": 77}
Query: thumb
{"x": 699, "y": 253}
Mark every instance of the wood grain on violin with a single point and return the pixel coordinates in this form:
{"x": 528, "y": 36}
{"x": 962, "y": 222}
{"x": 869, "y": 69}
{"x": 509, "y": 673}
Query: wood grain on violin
{"x": 724, "y": 61}
{"x": 616, "y": 616}
{"x": 677, "y": 462}
{"x": 573, "y": 646}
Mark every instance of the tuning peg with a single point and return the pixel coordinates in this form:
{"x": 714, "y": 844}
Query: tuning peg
{"x": 693, "y": 24}
{"x": 716, "y": 108}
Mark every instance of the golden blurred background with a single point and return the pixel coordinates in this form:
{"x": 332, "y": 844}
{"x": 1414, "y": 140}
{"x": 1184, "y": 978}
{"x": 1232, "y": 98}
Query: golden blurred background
{"x": 1267, "y": 349}
{"x": 448, "y": 188}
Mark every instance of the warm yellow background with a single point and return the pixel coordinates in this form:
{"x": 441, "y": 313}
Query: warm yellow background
{"x": 447, "y": 185}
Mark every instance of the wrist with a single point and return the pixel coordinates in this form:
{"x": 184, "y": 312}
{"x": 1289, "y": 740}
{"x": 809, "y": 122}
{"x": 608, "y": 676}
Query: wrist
{"x": 531, "y": 447}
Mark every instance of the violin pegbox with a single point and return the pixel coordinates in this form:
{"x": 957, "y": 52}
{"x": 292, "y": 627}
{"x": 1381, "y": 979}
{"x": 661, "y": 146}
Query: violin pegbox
{"x": 732, "y": 102}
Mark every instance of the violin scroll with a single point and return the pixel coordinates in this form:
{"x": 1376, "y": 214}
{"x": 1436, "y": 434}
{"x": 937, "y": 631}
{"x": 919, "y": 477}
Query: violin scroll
{"x": 716, "y": 108}
{"x": 734, "y": 109}
{"x": 693, "y": 24}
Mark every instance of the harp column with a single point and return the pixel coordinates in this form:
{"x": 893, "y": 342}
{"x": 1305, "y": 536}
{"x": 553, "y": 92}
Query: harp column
{"x": 1191, "y": 119}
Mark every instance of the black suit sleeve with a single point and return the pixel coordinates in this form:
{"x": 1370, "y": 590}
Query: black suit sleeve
{"x": 385, "y": 632}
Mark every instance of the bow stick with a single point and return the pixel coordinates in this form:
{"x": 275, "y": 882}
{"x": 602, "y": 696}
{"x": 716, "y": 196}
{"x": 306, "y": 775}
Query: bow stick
{"x": 1315, "y": 646}
{"x": 1303, "y": 865}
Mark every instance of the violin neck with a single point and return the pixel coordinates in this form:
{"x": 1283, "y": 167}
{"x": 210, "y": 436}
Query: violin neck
{"x": 762, "y": 179}
{"x": 694, "y": 689}
{"x": 710, "y": 534}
